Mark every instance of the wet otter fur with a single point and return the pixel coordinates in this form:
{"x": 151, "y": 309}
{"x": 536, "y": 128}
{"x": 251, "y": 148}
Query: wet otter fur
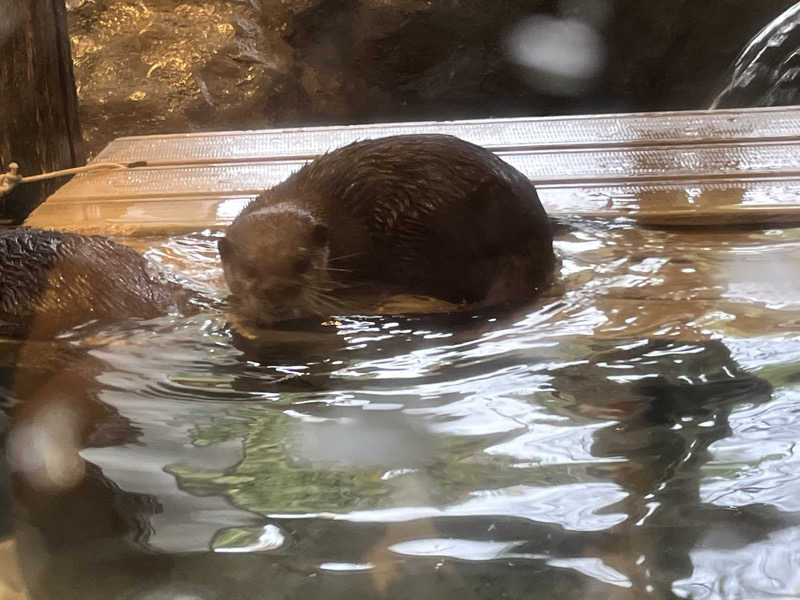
{"x": 53, "y": 281}
{"x": 414, "y": 214}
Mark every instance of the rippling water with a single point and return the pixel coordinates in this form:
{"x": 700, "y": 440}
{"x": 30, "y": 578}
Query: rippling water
{"x": 632, "y": 434}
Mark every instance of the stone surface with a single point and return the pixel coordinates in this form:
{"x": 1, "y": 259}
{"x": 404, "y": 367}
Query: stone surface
{"x": 168, "y": 66}
{"x": 157, "y": 66}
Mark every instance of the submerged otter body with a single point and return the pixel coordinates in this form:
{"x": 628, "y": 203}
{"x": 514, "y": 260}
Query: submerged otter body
{"x": 420, "y": 214}
{"x": 52, "y": 281}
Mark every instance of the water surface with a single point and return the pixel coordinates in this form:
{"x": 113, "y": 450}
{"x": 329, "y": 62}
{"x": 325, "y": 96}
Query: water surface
{"x": 631, "y": 434}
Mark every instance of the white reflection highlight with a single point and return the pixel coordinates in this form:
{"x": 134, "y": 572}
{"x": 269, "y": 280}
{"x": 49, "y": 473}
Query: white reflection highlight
{"x": 765, "y": 279}
{"x": 230, "y": 209}
{"x": 548, "y": 444}
{"x": 482, "y": 414}
{"x": 559, "y": 56}
{"x": 45, "y": 450}
{"x": 595, "y": 568}
{"x": 575, "y": 507}
{"x": 455, "y": 548}
{"x": 270, "y": 538}
{"x": 754, "y": 353}
{"x": 365, "y": 440}
{"x": 336, "y": 566}
{"x": 765, "y": 569}
{"x": 762, "y": 451}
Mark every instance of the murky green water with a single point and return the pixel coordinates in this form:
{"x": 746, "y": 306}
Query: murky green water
{"x": 631, "y": 435}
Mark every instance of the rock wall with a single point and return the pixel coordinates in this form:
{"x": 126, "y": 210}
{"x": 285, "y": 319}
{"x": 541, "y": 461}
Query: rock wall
{"x": 154, "y": 66}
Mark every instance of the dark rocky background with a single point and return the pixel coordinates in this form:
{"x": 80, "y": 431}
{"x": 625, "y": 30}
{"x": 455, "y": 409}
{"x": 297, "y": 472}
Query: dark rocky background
{"x": 156, "y": 66}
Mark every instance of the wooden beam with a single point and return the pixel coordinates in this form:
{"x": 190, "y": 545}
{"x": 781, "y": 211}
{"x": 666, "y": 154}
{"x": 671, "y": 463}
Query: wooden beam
{"x": 39, "y": 126}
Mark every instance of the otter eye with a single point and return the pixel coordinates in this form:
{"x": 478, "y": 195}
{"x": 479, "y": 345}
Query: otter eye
{"x": 224, "y": 247}
{"x": 302, "y": 264}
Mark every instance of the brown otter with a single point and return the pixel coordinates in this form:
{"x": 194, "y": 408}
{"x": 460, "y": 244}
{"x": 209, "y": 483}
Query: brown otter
{"x": 52, "y": 281}
{"x": 420, "y": 214}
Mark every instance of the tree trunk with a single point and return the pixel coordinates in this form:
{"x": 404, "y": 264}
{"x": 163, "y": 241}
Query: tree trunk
{"x": 39, "y": 126}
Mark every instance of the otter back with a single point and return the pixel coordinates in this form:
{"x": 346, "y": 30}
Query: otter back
{"x": 425, "y": 214}
{"x": 52, "y": 281}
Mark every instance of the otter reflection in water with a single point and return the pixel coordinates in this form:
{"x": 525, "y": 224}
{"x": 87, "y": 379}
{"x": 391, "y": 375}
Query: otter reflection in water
{"x": 410, "y": 214}
{"x": 53, "y": 281}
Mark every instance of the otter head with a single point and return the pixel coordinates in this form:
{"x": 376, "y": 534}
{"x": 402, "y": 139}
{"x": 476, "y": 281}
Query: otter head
{"x": 275, "y": 263}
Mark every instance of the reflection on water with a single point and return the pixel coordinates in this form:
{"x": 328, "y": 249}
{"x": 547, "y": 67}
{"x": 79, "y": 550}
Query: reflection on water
{"x": 765, "y": 72}
{"x": 632, "y": 434}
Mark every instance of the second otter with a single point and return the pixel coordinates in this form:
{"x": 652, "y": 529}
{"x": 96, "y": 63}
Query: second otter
{"x": 52, "y": 281}
{"x": 420, "y": 214}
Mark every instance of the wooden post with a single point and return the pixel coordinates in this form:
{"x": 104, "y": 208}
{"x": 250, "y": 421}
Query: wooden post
{"x": 39, "y": 126}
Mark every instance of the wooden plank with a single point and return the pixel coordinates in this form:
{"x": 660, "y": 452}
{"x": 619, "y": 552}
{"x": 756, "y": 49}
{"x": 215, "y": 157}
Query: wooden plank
{"x": 656, "y": 169}
{"x": 39, "y": 113}
{"x": 500, "y": 135}
{"x": 545, "y": 168}
{"x": 695, "y": 203}
{"x": 700, "y": 204}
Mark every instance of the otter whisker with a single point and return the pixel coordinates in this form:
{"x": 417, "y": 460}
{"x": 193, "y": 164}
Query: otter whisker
{"x": 320, "y": 288}
{"x": 325, "y": 301}
{"x": 344, "y": 256}
{"x": 321, "y": 310}
{"x": 323, "y": 298}
{"x": 327, "y": 286}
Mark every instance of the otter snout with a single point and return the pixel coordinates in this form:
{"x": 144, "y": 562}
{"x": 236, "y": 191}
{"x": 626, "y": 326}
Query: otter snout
{"x": 262, "y": 301}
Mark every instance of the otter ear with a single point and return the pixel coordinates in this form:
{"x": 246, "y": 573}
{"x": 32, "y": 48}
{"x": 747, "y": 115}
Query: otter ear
{"x": 224, "y": 248}
{"x": 319, "y": 235}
